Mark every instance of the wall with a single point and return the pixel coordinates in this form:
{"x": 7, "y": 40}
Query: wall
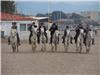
{"x": 6, "y": 26}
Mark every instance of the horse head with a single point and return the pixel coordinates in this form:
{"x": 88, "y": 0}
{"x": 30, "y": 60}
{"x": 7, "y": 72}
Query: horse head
{"x": 81, "y": 31}
{"x": 57, "y": 33}
{"x": 42, "y": 30}
{"x": 68, "y": 32}
{"x": 34, "y": 30}
{"x": 13, "y": 32}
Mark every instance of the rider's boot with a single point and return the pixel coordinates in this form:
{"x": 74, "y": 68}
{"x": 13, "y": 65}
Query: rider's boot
{"x": 18, "y": 39}
{"x": 8, "y": 40}
{"x": 50, "y": 40}
{"x": 71, "y": 40}
{"x": 92, "y": 41}
{"x": 30, "y": 38}
{"x": 46, "y": 38}
{"x": 63, "y": 38}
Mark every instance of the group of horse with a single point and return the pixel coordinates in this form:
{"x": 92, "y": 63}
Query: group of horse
{"x": 55, "y": 40}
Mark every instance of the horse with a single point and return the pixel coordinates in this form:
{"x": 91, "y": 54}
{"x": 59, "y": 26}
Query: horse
{"x": 43, "y": 40}
{"x": 55, "y": 40}
{"x": 80, "y": 40}
{"x": 13, "y": 40}
{"x": 89, "y": 40}
{"x": 67, "y": 39}
{"x": 34, "y": 38}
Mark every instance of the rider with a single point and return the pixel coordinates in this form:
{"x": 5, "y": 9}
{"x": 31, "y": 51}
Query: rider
{"x": 52, "y": 30}
{"x": 65, "y": 33}
{"x": 39, "y": 32}
{"x": 87, "y": 29}
{"x": 30, "y": 29}
{"x": 77, "y": 30}
{"x": 14, "y": 26}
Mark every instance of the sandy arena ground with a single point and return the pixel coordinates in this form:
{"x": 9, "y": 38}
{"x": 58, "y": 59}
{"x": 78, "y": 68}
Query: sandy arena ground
{"x": 47, "y": 63}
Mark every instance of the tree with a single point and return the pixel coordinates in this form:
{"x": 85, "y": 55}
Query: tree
{"x": 8, "y": 7}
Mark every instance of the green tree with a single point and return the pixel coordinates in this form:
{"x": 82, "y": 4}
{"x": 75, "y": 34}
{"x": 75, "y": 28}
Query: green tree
{"x": 8, "y": 7}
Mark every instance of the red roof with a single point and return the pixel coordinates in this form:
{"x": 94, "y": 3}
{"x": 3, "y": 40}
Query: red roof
{"x": 10, "y": 17}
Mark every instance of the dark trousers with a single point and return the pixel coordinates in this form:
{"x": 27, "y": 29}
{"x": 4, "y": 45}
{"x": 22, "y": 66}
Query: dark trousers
{"x": 30, "y": 38}
{"x": 38, "y": 38}
{"x": 46, "y": 37}
{"x": 52, "y": 33}
{"x": 76, "y": 36}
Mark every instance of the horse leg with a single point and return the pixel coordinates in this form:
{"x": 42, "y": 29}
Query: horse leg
{"x": 88, "y": 48}
{"x": 13, "y": 49}
{"x": 41, "y": 46}
{"x": 80, "y": 47}
{"x": 52, "y": 47}
{"x": 44, "y": 47}
{"x": 77, "y": 47}
{"x": 17, "y": 49}
{"x": 55, "y": 47}
{"x": 67, "y": 46}
{"x": 33, "y": 47}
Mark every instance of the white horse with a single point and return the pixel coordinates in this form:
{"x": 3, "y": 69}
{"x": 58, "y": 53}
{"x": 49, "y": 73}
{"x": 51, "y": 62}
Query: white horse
{"x": 67, "y": 39}
{"x": 34, "y": 38}
{"x": 80, "y": 40}
{"x": 89, "y": 39}
{"x": 55, "y": 40}
{"x": 48, "y": 35}
{"x": 13, "y": 40}
{"x": 43, "y": 40}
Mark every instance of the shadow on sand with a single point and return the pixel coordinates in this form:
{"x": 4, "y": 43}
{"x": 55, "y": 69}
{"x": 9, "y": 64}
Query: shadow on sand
{"x": 34, "y": 52}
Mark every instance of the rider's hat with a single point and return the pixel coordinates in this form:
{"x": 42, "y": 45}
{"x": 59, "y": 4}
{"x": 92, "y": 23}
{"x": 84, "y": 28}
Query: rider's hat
{"x": 67, "y": 26}
{"x": 13, "y": 23}
{"x": 33, "y": 22}
{"x": 54, "y": 23}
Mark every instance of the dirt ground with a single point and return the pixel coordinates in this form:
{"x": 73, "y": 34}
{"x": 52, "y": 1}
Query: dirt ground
{"x": 47, "y": 63}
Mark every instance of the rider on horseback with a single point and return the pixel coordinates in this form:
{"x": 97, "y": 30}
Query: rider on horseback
{"x": 39, "y": 32}
{"x": 30, "y": 29}
{"x": 87, "y": 29}
{"x": 52, "y": 29}
{"x": 65, "y": 33}
{"x": 77, "y": 30}
{"x": 14, "y": 26}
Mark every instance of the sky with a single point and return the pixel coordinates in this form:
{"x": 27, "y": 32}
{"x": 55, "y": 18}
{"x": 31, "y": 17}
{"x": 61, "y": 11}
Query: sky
{"x": 34, "y": 7}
